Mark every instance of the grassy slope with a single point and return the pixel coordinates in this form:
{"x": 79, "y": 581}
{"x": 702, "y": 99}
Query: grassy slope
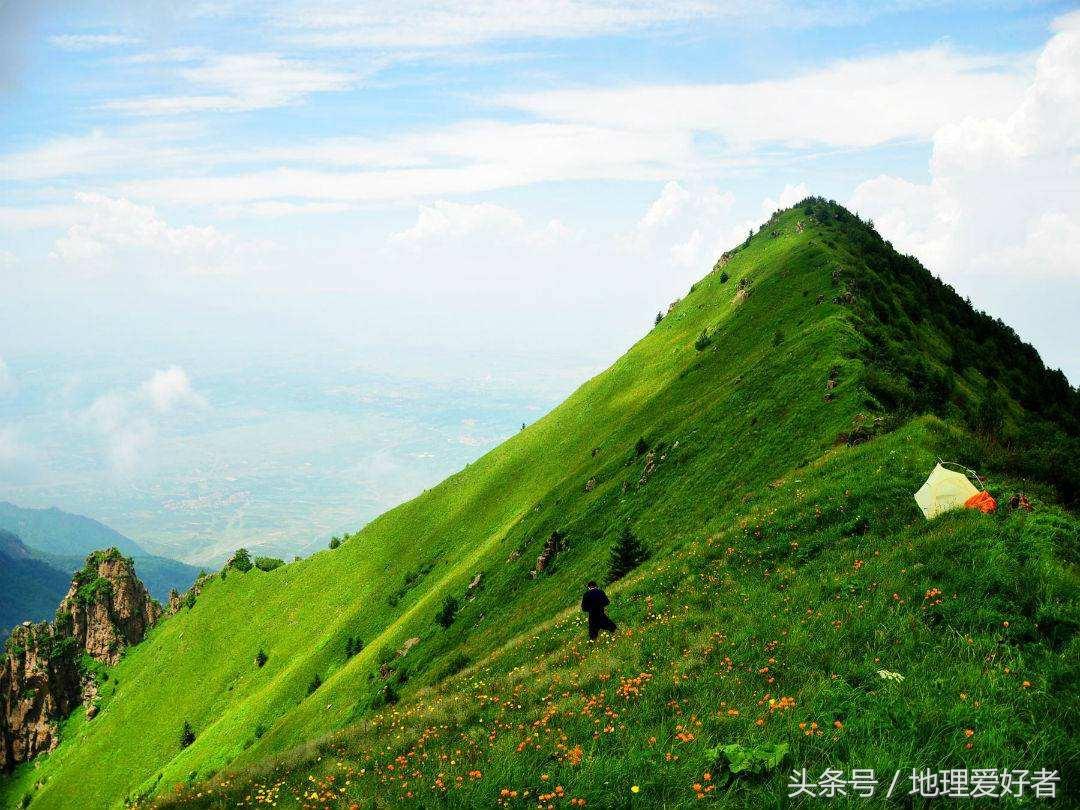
{"x": 754, "y": 470}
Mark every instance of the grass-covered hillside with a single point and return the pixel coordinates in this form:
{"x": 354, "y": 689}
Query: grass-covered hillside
{"x": 763, "y": 441}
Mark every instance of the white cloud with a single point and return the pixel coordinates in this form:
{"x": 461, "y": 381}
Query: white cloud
{"x": 1004, "y": 193}
{"x": 1050, "y": 247}
{"x": 17, "y": 459}
{"x": 170, "y": 389}
{"x": 272, "y": 209}
{"x": 447, "y": 223}
{"x": 105, "y": 152}
{"x": 788, "y": 197}
{"x": 7, "y": 381}
{"x": 427, "y": 24}
{"x": 116, "y": 228}
{"x": 184, "y": 53}
{"x": 240, "y": 82}
{"x": 37, "y": 217}
{"x": 850, "y": 103}
{"x": 691, "y": 226}
{"x": 918, "y": 219}
{"x": 10, "y": 449}
{"x": 129, "y": 422}
{"x": 435, "y": 23}
{"x": 639, "y": 133}
{"x": 8, "y": 259}
{"x": 127, "y": 435}
{"x": 468, "y": 158}
{"x": 90, "y": 42}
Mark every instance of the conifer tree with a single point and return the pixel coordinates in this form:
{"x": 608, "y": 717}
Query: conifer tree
{"x": 626, "y": 555}
{"x": 187, "y": 735}
{"x": 448, "y": 612}
{"x": 241, "y": 560}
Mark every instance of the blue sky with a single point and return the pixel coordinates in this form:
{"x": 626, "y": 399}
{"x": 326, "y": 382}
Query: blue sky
{"x": 482, "y": 197}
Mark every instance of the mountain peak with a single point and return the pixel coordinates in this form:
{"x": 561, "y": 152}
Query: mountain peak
{"x": 108, "y": 607}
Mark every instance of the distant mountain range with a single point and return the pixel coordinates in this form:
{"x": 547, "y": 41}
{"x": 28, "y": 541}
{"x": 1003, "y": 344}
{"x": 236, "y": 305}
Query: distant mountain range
{"x": 30, "y": 588}
{"x": 40, "y": 548}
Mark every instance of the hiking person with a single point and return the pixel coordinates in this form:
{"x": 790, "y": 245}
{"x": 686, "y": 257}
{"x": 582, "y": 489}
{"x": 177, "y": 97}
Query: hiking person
{"x": 593, "y": 602}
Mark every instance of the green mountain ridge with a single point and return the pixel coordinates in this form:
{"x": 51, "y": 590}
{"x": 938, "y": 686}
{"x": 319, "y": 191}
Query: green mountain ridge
{"x": 30, "y": 588}
{"x": 62, "y": 533}
{"x": 763, "y": 441}
{"x": 61, "y": 540}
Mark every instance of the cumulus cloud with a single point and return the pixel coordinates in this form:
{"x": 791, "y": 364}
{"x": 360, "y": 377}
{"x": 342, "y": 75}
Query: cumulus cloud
{"x": 687, "y": 225}
{"x": 116, "y": 228}
{"x": 788, "y": 197}
{"x": 448, "y": 223}
{"x": 171, "y": 389}
{"x": 1004, "y": 191}
{"x": 129, "y": 421}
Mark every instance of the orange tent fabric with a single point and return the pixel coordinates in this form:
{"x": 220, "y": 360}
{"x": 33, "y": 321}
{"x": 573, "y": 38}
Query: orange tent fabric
{"x": 982, "y": 501}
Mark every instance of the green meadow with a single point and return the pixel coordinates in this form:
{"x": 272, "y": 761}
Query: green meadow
{"x": 796, "y": 610}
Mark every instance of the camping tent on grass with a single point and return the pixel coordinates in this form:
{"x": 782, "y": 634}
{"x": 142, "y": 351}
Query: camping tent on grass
{"x": 943, "y": 490}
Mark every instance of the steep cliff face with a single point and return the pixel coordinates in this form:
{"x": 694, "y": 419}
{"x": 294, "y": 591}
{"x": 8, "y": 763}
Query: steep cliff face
{"x": 42, "y": 676}
{"x": 39, "y": 683}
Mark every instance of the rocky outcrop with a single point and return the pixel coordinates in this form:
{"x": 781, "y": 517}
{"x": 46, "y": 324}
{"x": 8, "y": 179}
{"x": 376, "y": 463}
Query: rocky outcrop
{"x": 42, "y": 674}
{"x": 110, "y": 608}
{"x": 554, "y": 545}
{"x": 39, "y": 682}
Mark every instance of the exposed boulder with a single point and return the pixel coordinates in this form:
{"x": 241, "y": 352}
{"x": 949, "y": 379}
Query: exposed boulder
{"x": 42, "y": 677}
{"x": 1020, "y": 501}
{"x": 555, "y": 544}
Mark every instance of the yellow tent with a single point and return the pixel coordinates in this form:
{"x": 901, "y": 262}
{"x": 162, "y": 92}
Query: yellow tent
{"x": 944, "y": 490}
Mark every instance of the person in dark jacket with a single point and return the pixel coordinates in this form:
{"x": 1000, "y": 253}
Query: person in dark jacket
{"x": 593, "y": 602}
